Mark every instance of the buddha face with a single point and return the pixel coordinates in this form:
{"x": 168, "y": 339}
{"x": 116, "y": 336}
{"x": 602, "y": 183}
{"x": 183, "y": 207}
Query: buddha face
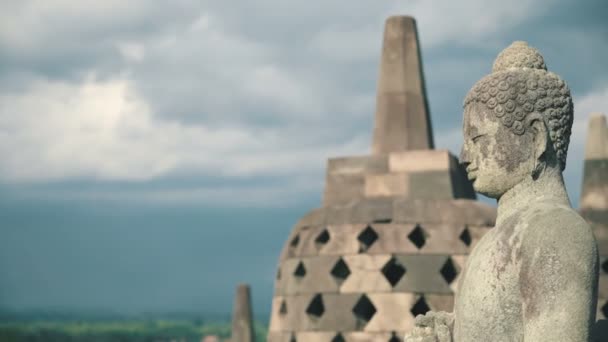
{"x": 495, "y": 158}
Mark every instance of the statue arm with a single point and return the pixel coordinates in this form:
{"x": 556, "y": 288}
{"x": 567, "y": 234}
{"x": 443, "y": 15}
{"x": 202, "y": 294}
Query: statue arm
{"x": 558, "y": 279}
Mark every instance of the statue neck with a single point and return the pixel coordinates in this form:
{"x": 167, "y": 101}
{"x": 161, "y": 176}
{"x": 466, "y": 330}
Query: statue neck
{"x": 549, "y": 187}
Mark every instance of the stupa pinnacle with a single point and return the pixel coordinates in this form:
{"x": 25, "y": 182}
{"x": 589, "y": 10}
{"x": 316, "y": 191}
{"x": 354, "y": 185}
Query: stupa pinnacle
{"x": 402, "y": 113}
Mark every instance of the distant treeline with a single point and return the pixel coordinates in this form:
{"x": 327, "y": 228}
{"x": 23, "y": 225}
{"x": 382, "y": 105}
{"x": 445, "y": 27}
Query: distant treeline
{"x": 117, "y": 330}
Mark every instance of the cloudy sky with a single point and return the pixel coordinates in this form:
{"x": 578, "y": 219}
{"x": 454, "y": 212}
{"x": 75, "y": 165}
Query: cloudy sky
{"x": 155, "y": 154}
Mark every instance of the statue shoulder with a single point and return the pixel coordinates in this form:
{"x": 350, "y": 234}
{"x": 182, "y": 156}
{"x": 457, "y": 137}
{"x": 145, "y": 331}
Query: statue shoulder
{"x": 553, "y": 226}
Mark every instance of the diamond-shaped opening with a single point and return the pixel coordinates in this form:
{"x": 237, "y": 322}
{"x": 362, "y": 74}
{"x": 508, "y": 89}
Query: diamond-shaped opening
{"x": 293, "y": 337}
{"x": 465, "y": 236}
{"x": 283, "y": 308}
{"x": 417, "y": 236}
{"x": 605, "y": 309}
{"x": 316, "y": 308}
{"x": 367, "y": 238}
{"x": 340, "y": 271}
{"x": 393, "y": 271}
{"x": 300, "y": 270}
{"x": 322, "y": 238}
{"x": 605, "y": 266}
{"x": 448, "y": 271}
{"x": 364, "y": 310}
{"x": 338, "y": 338}
{"x": 420, "y": 308}
{"x": 295, "y": 241}
{"x": 394, "y": 338}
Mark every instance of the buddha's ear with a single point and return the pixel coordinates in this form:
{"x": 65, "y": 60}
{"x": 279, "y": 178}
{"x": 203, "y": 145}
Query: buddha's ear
{"x": 537, "y": 127}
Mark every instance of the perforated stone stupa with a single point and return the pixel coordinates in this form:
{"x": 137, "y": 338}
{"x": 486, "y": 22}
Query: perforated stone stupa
{"x": 395, "y": 226}
{"x": 594, "y": 199}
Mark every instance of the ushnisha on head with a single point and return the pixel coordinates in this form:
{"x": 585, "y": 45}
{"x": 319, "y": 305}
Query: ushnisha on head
{"x": 509, "y": 115}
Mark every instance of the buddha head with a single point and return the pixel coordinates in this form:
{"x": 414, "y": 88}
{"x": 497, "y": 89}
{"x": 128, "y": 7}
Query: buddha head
{"x": 517, "y": 122}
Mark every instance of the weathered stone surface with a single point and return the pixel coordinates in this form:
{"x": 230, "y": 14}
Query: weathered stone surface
{"x": 387, "y": 184}
{"x": 419, "y": 161}
{"x": 358, "y": 165}
{"x": 392, "y": 239}
{"x": 315, "y": 336}
{"x": 308, "y": 275}
{"x": 242, "y": 323}
{"x": 372, "y": 337}
{"x": 460, "y": 211}
{"x": 393, "y": 309}
{"x": 343, "y": 188}
{"x": 343, "y": 239}
{"x": 424, "y": 274}
{"x": 402, "y": 116}
{"x": 434, "y": 185}
{"x": 276, "y": 336}
{"x": 363, "y": 211}
{"x": 365, "y": 274}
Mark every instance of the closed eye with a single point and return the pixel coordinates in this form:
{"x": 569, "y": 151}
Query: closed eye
{"x": 475, "y": 138}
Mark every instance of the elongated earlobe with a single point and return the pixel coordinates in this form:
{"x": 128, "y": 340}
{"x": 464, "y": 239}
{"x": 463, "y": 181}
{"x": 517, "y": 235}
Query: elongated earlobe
{"x": 538, "y": 128}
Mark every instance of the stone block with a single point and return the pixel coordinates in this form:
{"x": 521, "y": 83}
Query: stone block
{"x": 315, "y": 217}
{"x": 392, "y": 239}
{"x": 343, "y": 239}
{"x": 437, "y": 238}
{"x": 315, "y": 336}
{"x": 424, "y": 274}
{"x": 278, "y": 317}
{"x": 419, "y": 161}
{"x": 387, "y": 184}
{"x": 309, "y": 275}
{"x": 358, "y": 165}
{"x": 311, "y": 240}
{"x": 360, "y": 336}
{"x": 279, "y": 336}
{"x": 365, "y": 274}
{"x": 361, "y": 211}
{"x": 392, "y": 312}
{"x": 336, "y": 315}
{"x": 296, "y": 318}
{"x": 432, "y": 185}
{"x": 440, "y": 302}
{"x": 343, "y": 188}
{"x": 461, "y": 211}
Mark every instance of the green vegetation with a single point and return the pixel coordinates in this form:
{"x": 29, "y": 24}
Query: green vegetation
{"x": 119, "y": 330}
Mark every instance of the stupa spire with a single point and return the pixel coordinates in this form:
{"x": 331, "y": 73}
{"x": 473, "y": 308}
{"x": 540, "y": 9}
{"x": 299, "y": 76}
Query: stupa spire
{"x": 402, "y": 120}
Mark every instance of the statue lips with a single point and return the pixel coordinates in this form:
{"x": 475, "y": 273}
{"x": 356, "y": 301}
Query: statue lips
{"x": 471, "y": 175}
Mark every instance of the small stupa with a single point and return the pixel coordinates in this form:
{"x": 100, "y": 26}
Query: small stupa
{"x": 395, "y": 226}
{"x": 242, "y": 317}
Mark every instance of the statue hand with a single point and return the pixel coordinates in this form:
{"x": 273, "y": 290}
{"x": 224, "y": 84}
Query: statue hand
{"x": 432, "y": 327}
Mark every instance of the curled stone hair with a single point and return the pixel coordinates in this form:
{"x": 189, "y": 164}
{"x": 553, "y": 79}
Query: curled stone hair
{"x": 520, "y": 85}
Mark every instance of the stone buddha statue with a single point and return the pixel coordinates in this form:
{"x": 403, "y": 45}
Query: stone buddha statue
{"x": 534, "y": 276}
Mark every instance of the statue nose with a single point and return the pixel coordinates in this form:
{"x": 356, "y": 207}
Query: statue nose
{"x": 464, "y": 158}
